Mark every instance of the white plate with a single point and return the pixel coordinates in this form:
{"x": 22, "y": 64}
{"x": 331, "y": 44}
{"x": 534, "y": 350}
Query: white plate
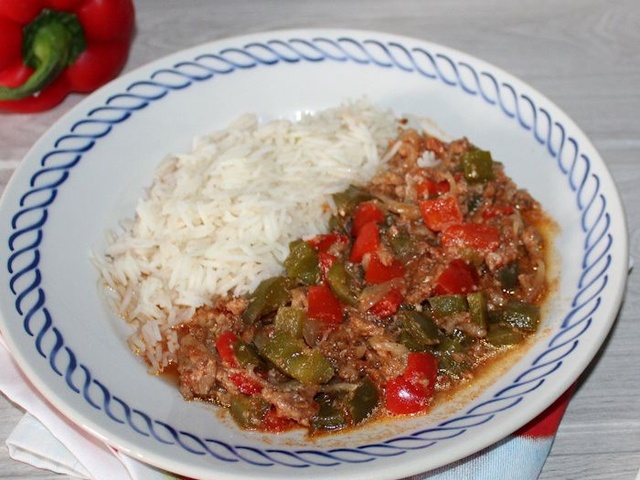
{"x": 89, "y": 169}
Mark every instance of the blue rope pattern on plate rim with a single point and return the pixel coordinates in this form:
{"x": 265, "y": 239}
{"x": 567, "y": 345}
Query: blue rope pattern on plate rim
{"x": 30, "y": 218}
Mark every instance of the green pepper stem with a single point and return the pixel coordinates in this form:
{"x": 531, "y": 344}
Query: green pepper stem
{"x": 51, "y": 44}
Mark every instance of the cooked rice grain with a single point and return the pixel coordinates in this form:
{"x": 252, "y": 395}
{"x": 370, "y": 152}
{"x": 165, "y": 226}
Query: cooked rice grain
{"x": 219, "y": 218}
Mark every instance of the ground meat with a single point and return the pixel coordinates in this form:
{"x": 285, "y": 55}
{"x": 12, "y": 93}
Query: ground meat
{"x": 296, "y": 404}
{"x": 197, "y": 367}
{"x": 391, "y": 356}
{"x": 421, "y": 275}
{"x": 225, "y": 315}
{"x": 349, "y": 349}
{"x": 430, "y": 298}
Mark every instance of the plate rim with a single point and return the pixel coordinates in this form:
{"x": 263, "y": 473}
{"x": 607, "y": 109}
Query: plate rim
{"x": 127, "y": 78}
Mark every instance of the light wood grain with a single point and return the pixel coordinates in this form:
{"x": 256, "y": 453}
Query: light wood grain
{"x": 583, "y": 54}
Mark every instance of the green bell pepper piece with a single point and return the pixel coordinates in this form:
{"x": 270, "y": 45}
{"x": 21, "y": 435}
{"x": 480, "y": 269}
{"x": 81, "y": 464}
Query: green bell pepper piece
{"x": 330, "y": 416}
{"x": 342, "y": 283}
{"x": 522, "y": 315}
{"x": 445, "y": 305}
{"x": 290, "y": 320}
{"x": 417, "y": 330}
{"x": 246, "y": 354}
{"x": 347, "y": 200}
{"x": 363, "y": 401}
{"x": 508, "y": 276}
{"x": 248, "y": 411}
{"x": 501, "y": 335}
{"x": 296, "y": 359}
{"x": 477, "y": 166}
{"x": 271, "y": 294}
{"x": 302, "y": 263}
{"x": 341, "y": 409}
{"x": 477, "y": 302}
{"x": 310, "y": 368}
{"x": 454, "y": 343}
{"x": 401, "y": 243}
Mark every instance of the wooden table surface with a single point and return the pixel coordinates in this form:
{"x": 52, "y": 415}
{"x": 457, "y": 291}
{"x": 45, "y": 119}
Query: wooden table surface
{"x": 582, "y": 54}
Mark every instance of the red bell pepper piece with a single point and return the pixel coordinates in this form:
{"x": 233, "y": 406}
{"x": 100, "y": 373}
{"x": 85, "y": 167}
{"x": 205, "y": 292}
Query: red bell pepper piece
{"x": 325, "y": 260}
{"x": 388, "y": 304}
{"x": 225, "y": 345}
{"x": 458, "y": 277}
{"x": 323, "y": 242}
{"x": 378, "y": 272}
{"x": 365, "y": 212}
{"x": 367, "y": 241}
{"x": 477, "y": 236}
{"x": 50, "y": 48}
{"x": 497, "y": 211}
{"x": 430, "y": 188}
{"x": 245, "y": 384}
{"x": 273, "y": 423}
{"x": 323, "y": 305}
{"x": 440, "y": 212}
{"x": 411, "y": 392}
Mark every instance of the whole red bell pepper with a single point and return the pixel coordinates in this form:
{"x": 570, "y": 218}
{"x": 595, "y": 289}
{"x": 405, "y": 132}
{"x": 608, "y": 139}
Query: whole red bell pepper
{"x": 50, "y": 48}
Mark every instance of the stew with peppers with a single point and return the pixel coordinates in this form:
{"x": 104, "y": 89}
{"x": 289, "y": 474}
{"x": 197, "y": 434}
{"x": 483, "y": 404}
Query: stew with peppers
{"x": 427, "y": 272}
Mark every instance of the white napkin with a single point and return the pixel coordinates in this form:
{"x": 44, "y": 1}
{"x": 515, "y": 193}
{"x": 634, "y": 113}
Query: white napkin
{"x": 45, "y": 439}
{"x": 39, "y": 454}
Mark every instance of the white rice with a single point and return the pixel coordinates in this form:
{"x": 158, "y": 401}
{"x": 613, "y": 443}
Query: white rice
{"x": 219, "y": 219}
